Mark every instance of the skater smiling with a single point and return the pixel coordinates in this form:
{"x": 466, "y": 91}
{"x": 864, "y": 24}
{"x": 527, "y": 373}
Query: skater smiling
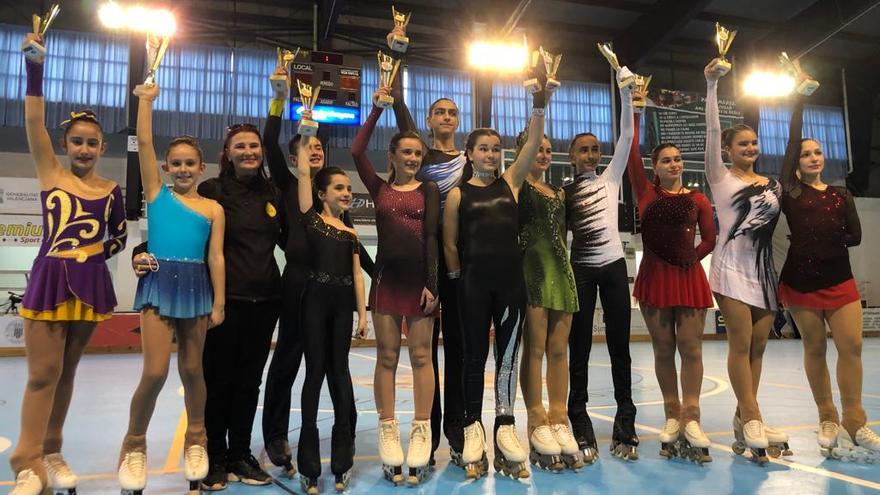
{"x": 480, "y": 228}
{"x": 176, "y": 297}
{"x": 672, "y": 289}
{"x": 70, "y": 289}
{"x": 405, "y": 286}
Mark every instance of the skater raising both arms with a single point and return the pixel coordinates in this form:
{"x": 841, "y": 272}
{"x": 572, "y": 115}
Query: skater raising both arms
{"x": 672, "y": 290}
{"x": 335, "y": 289}
{"x": 404, "y": 287}
{"x": 443, "y": 164}
{"x": 70, "y": 289}
{"x": 236, "y": 351}
{"x": 591, "y": 213}
{"x": 287, "y": 356}
{"x": 480, "y": 230}
{"x": 551, "y": 298}
{"x": 818, "y": 288}
{"x": 176, "y": 297}
{"x": 742, "y": 276}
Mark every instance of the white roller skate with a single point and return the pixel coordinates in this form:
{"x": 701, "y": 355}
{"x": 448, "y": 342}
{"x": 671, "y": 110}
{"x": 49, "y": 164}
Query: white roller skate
{"x": 778, "y": 441}
{"x": 865, "y": 448}
{"x": 545, "y": 451}
{"x": 390, "y": 451}
{"x": 27, "y": 483}
{"x": 342, "y": 481}
{"x": 473, "y": 456}
{"x": 693, "y": 444}
{"x": 510, "y": 457}
{"x": 827, "y": 437}
{"x": 61, "y": 478}
{"x": 308, "y": 485}
{"x": 133, "y": 473}
{"x": 669, "y": 438}
{"x": 568, "y": 446}
{"x": 751, "y": 436}
{"x": 195, "y": 466}
{"x": 418, "y": 454}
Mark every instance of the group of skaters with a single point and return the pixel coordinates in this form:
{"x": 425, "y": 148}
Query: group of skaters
{"x": 455, "y": 232}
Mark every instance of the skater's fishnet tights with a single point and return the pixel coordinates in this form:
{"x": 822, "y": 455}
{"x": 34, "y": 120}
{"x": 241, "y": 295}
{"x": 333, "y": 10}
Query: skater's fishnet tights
{"x": 546, "y": 333}
{"x": 748, "y": 329}
{"x": 846, "y": 330}
{"x": 419, "y": 338}
{"x": 156, "y": 341}
{"x": 53, "y": 353}
{"x": 681, "y": 329}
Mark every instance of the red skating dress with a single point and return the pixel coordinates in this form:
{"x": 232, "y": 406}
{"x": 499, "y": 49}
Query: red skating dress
{"x": 670, "y": 274}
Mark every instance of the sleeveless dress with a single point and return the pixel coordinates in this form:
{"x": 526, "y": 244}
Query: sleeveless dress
{"x": 548, "y": 275}
{"x": 178, "y": 238}
{"x": 69, "y": 279}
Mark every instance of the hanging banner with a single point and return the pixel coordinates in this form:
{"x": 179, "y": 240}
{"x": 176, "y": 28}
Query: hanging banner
{"x": 679, "y": 117}
{"x": 21, "y": 230}
{"x": 20, "y": 196}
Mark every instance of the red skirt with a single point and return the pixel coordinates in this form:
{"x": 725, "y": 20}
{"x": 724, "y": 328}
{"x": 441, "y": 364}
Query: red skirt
{"x": 662, "y": 285}
{"x": 832, "y": 297}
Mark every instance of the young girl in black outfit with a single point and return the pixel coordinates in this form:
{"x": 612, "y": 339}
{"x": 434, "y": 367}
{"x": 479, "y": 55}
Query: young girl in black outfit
{"x": 335, "y": 288}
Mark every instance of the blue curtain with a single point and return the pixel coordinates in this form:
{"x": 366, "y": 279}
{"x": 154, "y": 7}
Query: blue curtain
{"x": 83, "y": 70}
{"x": 822, "y": 123}
{"x": 575, "y": 107}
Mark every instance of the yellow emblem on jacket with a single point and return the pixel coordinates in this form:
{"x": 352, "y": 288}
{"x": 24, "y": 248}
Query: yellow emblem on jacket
{"x": 270, "y": 210}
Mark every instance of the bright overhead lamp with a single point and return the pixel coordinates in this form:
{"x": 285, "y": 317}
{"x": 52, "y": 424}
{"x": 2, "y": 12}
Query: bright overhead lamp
{"x": 498, "y": 56}
{"x": 764, "y": 84}
{"x": 138, "y": 18}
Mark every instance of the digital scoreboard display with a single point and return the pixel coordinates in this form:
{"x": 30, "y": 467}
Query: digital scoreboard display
{"x": 339, "y": 78}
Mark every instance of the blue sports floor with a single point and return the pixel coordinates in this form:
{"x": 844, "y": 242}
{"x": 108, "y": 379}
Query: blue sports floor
{"x": 99, "y": 415}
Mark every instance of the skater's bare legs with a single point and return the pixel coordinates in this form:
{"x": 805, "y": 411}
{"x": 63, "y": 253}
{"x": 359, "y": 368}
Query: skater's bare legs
{"x": 689, "y": 336}
{"x": 191, "y": 335}
{"x": 661, "y": 326}
{"x": 419, "y": 340}
{"x": 531, "y": 370}
{"x": 846, "y": 329}
{"x": 387, "y": 329}
{"x": 74, "y": 346}
{"x": 557, "y": 365}
{"x": 811, "y": 325}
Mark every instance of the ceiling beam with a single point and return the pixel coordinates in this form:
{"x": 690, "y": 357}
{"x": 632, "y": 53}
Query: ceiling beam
{"x": 328, "y": 15}
{"x": 652, "y": 29}
{"x": 822, "y": 20}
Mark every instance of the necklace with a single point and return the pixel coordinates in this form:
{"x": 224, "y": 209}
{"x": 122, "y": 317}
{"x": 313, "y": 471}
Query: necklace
{"x": 484, "y": 175}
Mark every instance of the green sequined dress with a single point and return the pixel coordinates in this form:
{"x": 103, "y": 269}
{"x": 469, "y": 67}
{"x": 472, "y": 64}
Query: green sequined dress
{"x": 546, "y": 268}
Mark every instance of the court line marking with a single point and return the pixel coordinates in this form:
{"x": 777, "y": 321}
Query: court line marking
{"x": 172, "y": 461}
{"x": 801, "y": 387}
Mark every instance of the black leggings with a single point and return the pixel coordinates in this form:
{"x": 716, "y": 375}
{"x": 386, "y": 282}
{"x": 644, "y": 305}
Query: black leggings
{"x": 486, "y": 298}
{"x": 611, "y": 284}
{"x": 234, "y": 357}
{"x": 453, "y": 396}
{"x": 327, "y": 328}
{"x": 286, "y": 359}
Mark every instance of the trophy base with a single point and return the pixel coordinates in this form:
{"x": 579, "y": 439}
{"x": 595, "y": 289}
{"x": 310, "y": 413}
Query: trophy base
{"x": 808, "y": 87}
{"x": 532, "y": 85}
{"x": 400, "y": 43}
{"x": 307, "y": 128}
{"x": 723, "y": 66}
{"x": 279, "y": 83}
{"x": 627, "y": 82}
{"x": 551, "y": 84}
{"x": 639, "y": 106}
{"x": 34, "y": 51}
{"x": 384, "y": 101}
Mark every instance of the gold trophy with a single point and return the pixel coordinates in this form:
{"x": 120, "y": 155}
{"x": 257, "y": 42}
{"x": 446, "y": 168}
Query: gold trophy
{"x": 624, "y": 76}
{"x": 387, "y": 72}
{"x": 532, "y": 84}
{"x": 279, "y": 81}
{"x": 34, "y": 51}
{"x": 156, "y": 48}
{"x": 308, "y": 96}
{"x": 723, "y": 40}
{"x": 805, "y": 84}
{"x": 551, "y": 66}
{"x": 641, "y": 87}
{"x": 399, "y": 42}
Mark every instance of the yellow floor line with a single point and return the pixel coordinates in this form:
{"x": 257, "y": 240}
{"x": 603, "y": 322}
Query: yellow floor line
{"x": 172, "y": 462}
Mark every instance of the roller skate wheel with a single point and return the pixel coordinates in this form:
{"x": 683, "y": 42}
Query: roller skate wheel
{"x": 774, "y": 451}
{"x": 738, "y": 448}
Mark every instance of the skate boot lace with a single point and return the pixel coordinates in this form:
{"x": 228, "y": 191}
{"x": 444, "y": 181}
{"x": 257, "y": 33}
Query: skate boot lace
{"x": 508, "y": 438}
{"x": 57, "y": 467}
{"x": 545, "y": 434}
{"x": 671, "y": 427}
{"x": 754, "y": 429}
{"x": 561, "y": 434}
{"x": 695, "y": 431}
{"x": 390, "y": 432}
{"x": 865, "y": 437}
{"x": 26, "y": 481}
{"x": 134, "y": 463}
{"x": 195, "y": 455}
{"x": 419, "y": 435}
{"x": 828, "y": 429}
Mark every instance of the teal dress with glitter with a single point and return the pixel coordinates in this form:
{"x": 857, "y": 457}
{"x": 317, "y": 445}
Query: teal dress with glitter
{"x": 546, "y": 268}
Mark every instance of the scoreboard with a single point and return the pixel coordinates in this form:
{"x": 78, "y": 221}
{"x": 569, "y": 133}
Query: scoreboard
{"x": 339, "y": 77}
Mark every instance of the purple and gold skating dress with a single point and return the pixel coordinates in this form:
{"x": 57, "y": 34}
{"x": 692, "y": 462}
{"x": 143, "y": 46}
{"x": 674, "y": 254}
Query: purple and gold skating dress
{"x": 69, "y": 280}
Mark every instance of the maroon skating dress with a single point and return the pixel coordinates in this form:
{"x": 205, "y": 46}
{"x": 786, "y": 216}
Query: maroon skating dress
{"x": 406, "y": 223}
{"x": 670, "y": 274}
